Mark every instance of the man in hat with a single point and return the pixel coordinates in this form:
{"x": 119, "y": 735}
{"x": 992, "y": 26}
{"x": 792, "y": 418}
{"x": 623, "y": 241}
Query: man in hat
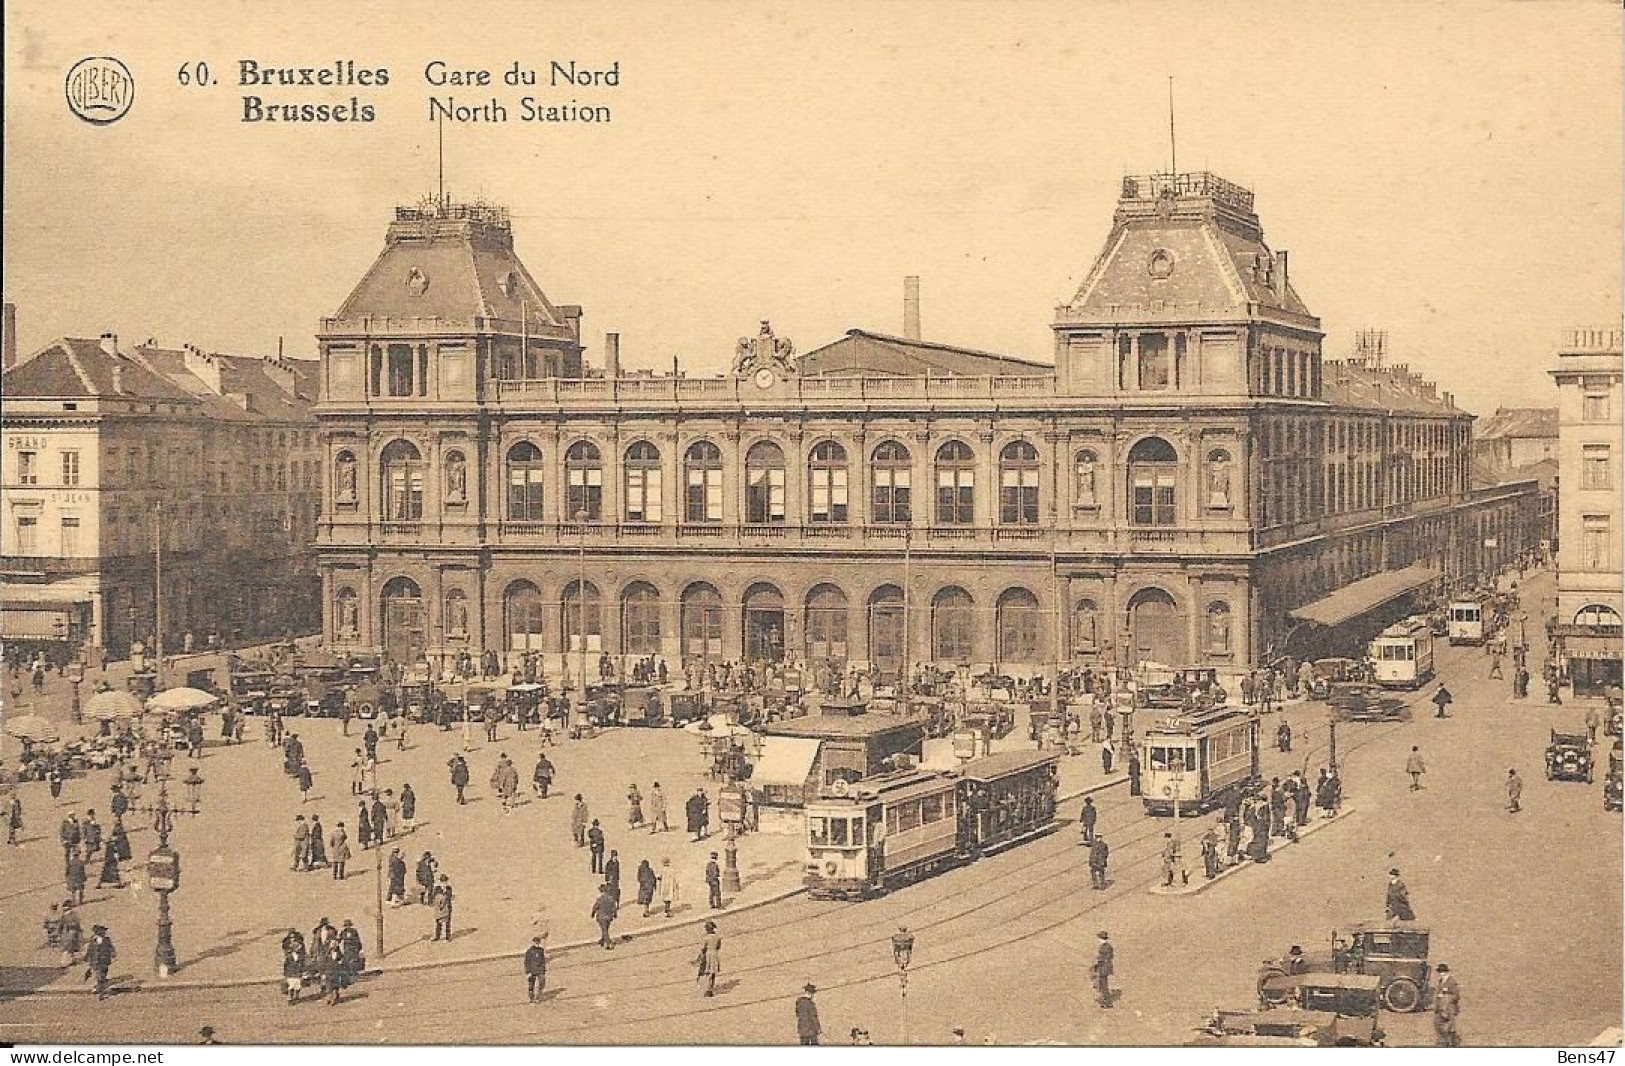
{"x": 713, "y": 881}
{"x": 604, "y": 909}
{"x": 99, "y": 956}
{"x": 1087, "y": 819}
{"x": 1446, "y": 1007}
{"x": 1102, "y": 969}
{"x": 710, "y": 960}
{"x": 1398, "y": 904}
{"x": 1170, "y": 859}
{"x": 1514, "y": 792}
{"x": 535, "y": 969}
{"x": 1098, "y": 853}
{"x": 1441, "y": 700}
{"x": 1295, "y": 962}
{"x": 441, "y": 899}
{"x": 807, "y": 1027}
{"x": 1416, "y": 768}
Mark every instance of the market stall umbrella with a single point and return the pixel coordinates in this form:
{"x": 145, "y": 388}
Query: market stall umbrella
{"x": 113, "y": 705}
{"x": 32, "y": 728}
{"x": 181, "y": 699}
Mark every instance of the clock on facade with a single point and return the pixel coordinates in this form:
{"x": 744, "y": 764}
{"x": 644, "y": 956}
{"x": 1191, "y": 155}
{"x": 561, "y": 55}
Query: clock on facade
{"x": 765, "y": 378}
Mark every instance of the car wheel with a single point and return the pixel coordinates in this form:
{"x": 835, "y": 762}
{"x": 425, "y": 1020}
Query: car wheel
{"x": 1402, "y": 995}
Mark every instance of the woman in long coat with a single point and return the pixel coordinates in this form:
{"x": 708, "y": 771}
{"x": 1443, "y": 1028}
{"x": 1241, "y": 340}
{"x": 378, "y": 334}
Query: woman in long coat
{"x": 110, "y": 878}
{"x": 363, "y": 829}
{"x": 647, "y": 882}
{"x": 318, "y": 844}
{"x": 634, "y": 806}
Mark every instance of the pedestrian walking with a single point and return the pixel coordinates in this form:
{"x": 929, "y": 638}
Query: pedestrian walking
{"x": 1283, "y": 735}
{"x": 1446, "y": 1007}
{"x": 505, "y": 782}
{"x": 111, "y": 876}
{"x": 69, "y": 834}
{"x": 1098, "y": 855}
{"x": 339, "y": 846}
{"x": 710, "y": 960}
{"x": 1170, "y": 859}
{"x": 1102, "y": 969}
{"x": 603, "y": 912}
{"x": 1514, "y": 792}
{"x": 1415, "y": 767}
{"x": 668, "y": 886}
{"x": 657, "y": 810}
{"x": 634, "y": 806}
{"x": 713, "y": 881}
{"x": 595, "y": 848}
{"x": 648, "y": 881}
{"x": 697, "y": 810}
{"x": 542, "y": 777}
{"x": 1133, "y": 772}
{"x": 369, "y": 740}
{"x": 1441, "y": 700}
{"x": 318, "y": 843}
{"x": 1397, "y": 904}
{"x": 99, "y": 956}
{"x": 397, "y": 879}
{"x": 1210, "y": 854}
{"x": 363, "y": 826}
{"x": 1087, "y": 819}
{"x": 409, "y": 808}
{"x": 357, "y": 775}
{"x": 1593, "y": 720}
{"x": 14, "y": 820}
{"x": 75, "y": 877}
{"x": 807, "y": 1028}
{"x": 441, "y": 899}
{"x": 612, "y": 874}
{"x": 1495, "y": 667}
{"x": 578, "y": 821}
{"x": 535, "y": 970}
{"x": 459, "y": 777}
{"x": 392, "y": 816}
{"x": 305, "y": 782}
{"x": 1107, "y": 752}
{"x": 425, "y": 874}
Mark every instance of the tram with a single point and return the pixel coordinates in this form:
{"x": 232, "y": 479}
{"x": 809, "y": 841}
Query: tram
{"x": 1402, "y": 654}
{"x": 1464, "y": 622}
{"x": 1198, "y": 760}
{"x": 867, "y": 837}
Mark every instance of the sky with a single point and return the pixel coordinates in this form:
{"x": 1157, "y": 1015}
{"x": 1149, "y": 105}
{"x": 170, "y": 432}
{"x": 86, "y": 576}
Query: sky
{"x": 1448, "y": 172}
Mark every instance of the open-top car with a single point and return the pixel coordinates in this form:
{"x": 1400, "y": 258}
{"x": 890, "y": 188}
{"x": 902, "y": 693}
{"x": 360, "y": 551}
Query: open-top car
{"x": 1568, "y": 757}
{"x": 1287, "y": 1027}
{"x": 1393, "y": 954}
{"x": 1363, "y": 701}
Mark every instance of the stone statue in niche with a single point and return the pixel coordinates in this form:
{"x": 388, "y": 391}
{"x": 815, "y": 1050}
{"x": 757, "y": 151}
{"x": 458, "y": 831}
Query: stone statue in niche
{"x": 456, "y": 616}
{"x": 1086, "y": 479}
{"x": 348, "y": 624}
{"x": 1218, "y": 630}
{"x": 456, "y": 478}
{"x": 345, "y": 486}
{"x": 1218, "y": 480}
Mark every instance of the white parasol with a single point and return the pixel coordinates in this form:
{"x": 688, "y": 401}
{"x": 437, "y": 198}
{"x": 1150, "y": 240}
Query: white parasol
{"x": 113, "y": 705}
{"x": 33, "y": 728}
{"x": 181, "y": 699}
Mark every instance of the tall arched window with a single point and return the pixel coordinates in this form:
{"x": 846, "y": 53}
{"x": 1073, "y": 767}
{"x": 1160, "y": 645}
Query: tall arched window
{"x": 826, "y": 624}
{"x": 344, "y": 478}
{"x": 584, "y": 482}
{"x": 764, "y": 484}
{"x": 956, "y": 485}
{"x": 643, "y": 483}
{"x": 575, "y": 625}
{"x": 1017, "y": 623}
{"x": 522, "y": 611}
{"x": 525, "y": 480}
{"x": 454, "y": 475}
{"x": 640, "y": 619}
{"x": 891, "y": 471}
{"x": 1153, "y": 471}
{"x": 1018, "y": 484}
{"x": 827, "y": 484}
{"x": 702, "y": 483}
{"x": 953, "y": 626}
{"x": 1085, "y": 467}
{"x": 1218, "y": 627}
{"x": 1596, "y": 614}
{"x": 402, "y": 482}
{"x": 702, "y": 615}
{"x": 1086, "y": 627}
{"x": 456, "y": 608}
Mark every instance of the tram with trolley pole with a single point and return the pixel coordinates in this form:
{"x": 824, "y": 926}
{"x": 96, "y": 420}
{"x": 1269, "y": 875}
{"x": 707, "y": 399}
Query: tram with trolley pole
{"x": 867, "y": 837}
{"x": 1197, "y": 761}
{"x": 1402, "y": 654}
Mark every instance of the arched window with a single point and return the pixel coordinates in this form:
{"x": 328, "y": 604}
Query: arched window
{"x": 1017, "y": 619}
{"x": 827, "y": 485}
{"x": 1018, "y": 484}
{"x": 764, "y": 484}
{"x": 522, "y": 615}
{"x": 1218, "y": 479}
{"x": 456, "y": 614}
{"x": 346, "y": 615}
{"x": 344, "y": 478}
{"x": 956, "y": 485}
{"x": 402, "y": 608}
{"x": 702, "y": 621}
{"x": 643, "y": 483}
{"x": 891, "y": 468}
{"x": 1084, "y": 470}
{"x": 1596, "y": 614}
{"x": 402, "y": 482}
{"x": 702, "y": 483}
{"x": 1086, "y": 627}
{"x": 575, "y": 626}
{"x": 455, "y": 477}
{"x": 1218, "y": 628}
{"x": 826, "y": 624}
{"x": 584, "y": 482}
{"x": 525, "y": 480}
{"x": 640, "y": 619}
{"x": 1153, "y": 471}
{"x": 953, "y": 626}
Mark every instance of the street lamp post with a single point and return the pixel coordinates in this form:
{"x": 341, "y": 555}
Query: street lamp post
{"x": 164, "y": 863}
{"x": 902, "y": 952}
{"x": 1176, "y": 773}
{"x": 581, "y": 604}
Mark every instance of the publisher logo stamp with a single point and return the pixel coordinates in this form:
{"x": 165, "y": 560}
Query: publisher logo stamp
{"x": 100, "y": 90}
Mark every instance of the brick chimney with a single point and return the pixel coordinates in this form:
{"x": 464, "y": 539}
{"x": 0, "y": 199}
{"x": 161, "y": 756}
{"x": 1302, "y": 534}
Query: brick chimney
{"x": 1280, "y": 274}
{"x": 612, "y": 355}
{"x": 110, "y": 344}
{"x": 911, "y": 307}
{"x": 8, "y": 336}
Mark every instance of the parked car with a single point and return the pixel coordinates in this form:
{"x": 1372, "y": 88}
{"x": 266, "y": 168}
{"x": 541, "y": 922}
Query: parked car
{"x": 1364, "y": 701}
{"x": 1568, "y": 757}
{"x": 1613, "y": 788}
{"x": 1329, "y": 672}
{"x": 1395, "y": 953}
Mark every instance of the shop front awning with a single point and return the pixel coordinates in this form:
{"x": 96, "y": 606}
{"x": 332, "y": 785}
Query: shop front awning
{"x": 785, "y": 761}
{"x": 1593, "y": 646}
{"x": 1365, "y": 595}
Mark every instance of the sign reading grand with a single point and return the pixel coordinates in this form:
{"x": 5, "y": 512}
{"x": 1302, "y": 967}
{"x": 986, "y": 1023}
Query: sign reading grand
{"x": 100, "y": 90}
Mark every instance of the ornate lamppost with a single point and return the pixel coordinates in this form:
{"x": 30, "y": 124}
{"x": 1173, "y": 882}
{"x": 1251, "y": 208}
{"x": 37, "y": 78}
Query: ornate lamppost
{"x": 902, "y": 952}
{"x": 164, "y": 863}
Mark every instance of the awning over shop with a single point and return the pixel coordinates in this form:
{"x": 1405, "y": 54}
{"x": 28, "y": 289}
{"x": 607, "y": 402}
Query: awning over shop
{"x": 1592, "y": 646}
{"x": 785, "y": 761}
{"x": 1364, "y": 595}
{"x": 42, "y": 620}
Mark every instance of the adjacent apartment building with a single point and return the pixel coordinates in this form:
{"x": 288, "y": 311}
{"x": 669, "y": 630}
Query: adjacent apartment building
{"x": 1189, "y": 481}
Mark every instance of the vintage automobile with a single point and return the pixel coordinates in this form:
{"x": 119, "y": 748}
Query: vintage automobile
{"x": 1395, "y": 954}
{"x": 1187, "y": 688}
{"x": 1288, "y": 1027}
{"x": 1613, "y": 787}
{"x": 1614, "y": 721}
{"x": 1568, "y": 757}
{"x": 1329, "y": 672}
{"x": 1364, "y": 701}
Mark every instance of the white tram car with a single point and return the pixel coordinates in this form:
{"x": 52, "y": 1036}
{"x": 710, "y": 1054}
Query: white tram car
{"x": 1198, "y": 760}
{"x": 1402, "y": 654}
{"x": 1464, "y": 622}
{"x": 867, "y": 837}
